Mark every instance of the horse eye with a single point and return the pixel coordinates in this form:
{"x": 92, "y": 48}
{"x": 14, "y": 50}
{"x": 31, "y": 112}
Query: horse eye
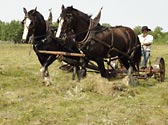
{"x": 23, "y": 22}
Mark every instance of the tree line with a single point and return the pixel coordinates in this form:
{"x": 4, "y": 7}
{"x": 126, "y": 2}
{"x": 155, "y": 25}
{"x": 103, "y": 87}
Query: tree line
{"x": 12, "y": 31}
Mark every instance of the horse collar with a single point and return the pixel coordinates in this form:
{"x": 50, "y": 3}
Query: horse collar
{"x": 88, "y": 35}
{"x": 36, "y": 42}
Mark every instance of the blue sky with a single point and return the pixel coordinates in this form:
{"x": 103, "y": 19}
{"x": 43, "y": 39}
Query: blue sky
{"x": 115, "y": 12}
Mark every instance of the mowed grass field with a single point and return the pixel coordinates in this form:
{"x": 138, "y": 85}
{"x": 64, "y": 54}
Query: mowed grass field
{"x": 24, "y": 100}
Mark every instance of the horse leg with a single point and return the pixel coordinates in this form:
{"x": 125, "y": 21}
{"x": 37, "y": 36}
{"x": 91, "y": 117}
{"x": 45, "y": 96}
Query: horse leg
{"x": 135, "y": 67}
{"x": 104, "y": 73}
{"x": 75, "y": 72}
{"x": 44, "y": 70}
{"x": 136, "y": 58}
{"x": 82, "y": 72}
{"x": 45, "y": 76}
{"x": 125, "y": 62}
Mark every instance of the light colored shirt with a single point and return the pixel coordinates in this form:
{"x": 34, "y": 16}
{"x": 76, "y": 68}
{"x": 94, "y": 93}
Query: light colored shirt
{"x": 146, "y": 40}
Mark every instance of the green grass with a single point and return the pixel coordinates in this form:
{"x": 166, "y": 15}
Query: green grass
{"x": 24, "y": 100}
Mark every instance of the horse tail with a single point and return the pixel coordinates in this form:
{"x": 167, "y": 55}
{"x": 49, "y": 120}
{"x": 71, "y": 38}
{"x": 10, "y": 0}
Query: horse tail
{"x": 135, "y": 49}
{"x": 137, "y": 52}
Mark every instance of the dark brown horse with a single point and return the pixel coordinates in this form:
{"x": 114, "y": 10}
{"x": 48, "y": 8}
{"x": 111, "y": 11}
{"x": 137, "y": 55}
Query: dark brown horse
{"x": 35, "y": 26}
{"x": 100, "y": 42}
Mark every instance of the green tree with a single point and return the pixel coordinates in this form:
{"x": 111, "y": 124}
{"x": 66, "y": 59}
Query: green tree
{"x": 157, "y": 34}
{"x": 137, "y": 29}
{"x": 11, "y": 31}
{"x": 55, "y": 24}
{"x": 15, "y": 31}
{"x": 106, "y": 25}
{"x": 4, "y": 31}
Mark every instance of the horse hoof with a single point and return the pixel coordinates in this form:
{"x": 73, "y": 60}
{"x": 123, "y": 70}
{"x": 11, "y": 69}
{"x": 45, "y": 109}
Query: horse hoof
{"x": 48, "y": 84}
{"x": 78, "y": 80}
{"x": 73, "y": 78}
{"x": 47, "y": 81}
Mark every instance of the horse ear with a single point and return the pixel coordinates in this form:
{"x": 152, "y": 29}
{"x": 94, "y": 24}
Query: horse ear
{"x": 34, "y": 10}
{"x": 50, "y": 17}
{"x": 24, "y": 10}
{"x": 62, "y": 7}
{"x": 97, "y": 18}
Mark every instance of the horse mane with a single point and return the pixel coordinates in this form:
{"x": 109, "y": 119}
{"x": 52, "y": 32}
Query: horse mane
{"x": 80, "y": 13}
{"x": 36, "y": 13}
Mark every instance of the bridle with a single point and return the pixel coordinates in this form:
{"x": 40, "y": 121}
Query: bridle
{"x": 32, "y": 38}
{"x": 71, "y": 29}
{"x": 23, "y": 22}
{"x": 69, "y": 19}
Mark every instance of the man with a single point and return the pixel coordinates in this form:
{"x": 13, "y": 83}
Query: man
{"x": 146, "y": 40}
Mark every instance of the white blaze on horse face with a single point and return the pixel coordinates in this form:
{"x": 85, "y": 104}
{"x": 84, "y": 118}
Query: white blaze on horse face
{"x": 61, "y": 21}
{"x": 26, "y": 28}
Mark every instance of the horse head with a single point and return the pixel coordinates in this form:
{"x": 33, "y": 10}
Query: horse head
{"x": 72, "y": 19}
{"x": 34, "y": 24}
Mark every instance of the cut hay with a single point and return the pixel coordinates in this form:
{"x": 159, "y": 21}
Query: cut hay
{"x": 103, "y": 86}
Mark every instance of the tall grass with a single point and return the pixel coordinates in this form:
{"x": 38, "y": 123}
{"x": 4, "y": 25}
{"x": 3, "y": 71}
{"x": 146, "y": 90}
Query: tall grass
{"x": 24, "y": 100}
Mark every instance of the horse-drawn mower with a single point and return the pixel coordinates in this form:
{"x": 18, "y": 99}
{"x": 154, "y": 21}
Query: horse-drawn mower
{"x": 157, "y": 70}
